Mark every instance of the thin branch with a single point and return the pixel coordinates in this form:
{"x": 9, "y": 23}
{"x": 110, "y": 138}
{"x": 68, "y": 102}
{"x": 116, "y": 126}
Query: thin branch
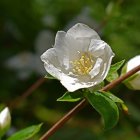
{"x": 27, "y": 93}
{"x": 121, "y": 78}
{"x": 79, "y": 106}
{"x": 32, "y": 88}
{"x": 64, "y": 119}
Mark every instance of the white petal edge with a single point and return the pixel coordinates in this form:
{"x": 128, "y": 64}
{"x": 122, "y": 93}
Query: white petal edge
{"x": 81, "y": 30}
{"x": 109, "y": 59}
{"x": 71, "y": 84}
{"x": 51, "y": 63}
{"x": 102, "y": 50}
{"x": 67, "y": 48}
{"x": 97, "y": 47}
{"x": 96, "y": 68}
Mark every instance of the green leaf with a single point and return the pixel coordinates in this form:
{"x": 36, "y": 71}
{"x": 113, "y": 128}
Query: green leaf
{"x": 106, "y": 107}
{"x": 117, "y": 100}
{"x": 113, "y": 74}
{"x": 112, "y": 97}
{"x": 26, "y": 133}
{"x": 117, "y": 65}
{"x": 71, "y": 96}
{"x": 48, "y": 76}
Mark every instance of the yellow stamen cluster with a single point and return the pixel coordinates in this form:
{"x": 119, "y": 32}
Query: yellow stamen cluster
{"x": 84, "y": 64}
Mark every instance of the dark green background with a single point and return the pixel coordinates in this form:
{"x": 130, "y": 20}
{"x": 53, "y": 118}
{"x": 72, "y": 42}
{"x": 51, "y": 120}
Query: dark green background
{"x": 118, "y": 23}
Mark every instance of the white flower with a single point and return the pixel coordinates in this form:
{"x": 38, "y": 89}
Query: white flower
{"x": 132, "y": 82}
{"x": 5, "y": 120}
{"x": 79, "y": 58}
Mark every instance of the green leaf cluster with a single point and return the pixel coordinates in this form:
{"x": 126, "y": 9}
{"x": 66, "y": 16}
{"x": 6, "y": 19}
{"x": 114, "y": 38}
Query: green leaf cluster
{"x": 105, "y": 103}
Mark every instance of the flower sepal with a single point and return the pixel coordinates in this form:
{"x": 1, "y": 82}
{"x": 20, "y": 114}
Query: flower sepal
{"x": 71, "y": 96}
{"x": 48, "y": 76}
{"x": 113, "y": 72}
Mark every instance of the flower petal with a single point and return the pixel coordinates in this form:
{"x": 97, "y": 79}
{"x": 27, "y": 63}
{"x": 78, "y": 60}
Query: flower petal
{"x": 61, "y": 46}
{"x": 101, "y": 51}
{"x": 96, "y": 68}
{"x": 68, "y": 44}
{"x": 73, "y": 84}
{"x": 97, "y": 47}
{"x": 133, "y": 62}
{"x": 52, "y": 66}
{"x": 67, "y": 48}
{"x": 107, "y": 59}
{"x": 51, "y": 63}
{"x": 81, "y": 30}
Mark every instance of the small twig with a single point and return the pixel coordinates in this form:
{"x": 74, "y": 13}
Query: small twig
{"x": 121, "y": 78}
{"x": 79, "y": 106}
{"x": 64, "y": 119}
{"x": 32, "y": 88}
{"x": 27, "y": 93}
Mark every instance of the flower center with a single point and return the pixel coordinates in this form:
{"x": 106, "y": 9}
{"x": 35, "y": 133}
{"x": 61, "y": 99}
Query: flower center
{"x": 84, "y": 64}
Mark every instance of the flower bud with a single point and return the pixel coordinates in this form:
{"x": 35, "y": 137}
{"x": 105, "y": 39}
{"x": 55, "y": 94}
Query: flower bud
{"x": 5, "y": 121}
{"x": 133, "y": 82}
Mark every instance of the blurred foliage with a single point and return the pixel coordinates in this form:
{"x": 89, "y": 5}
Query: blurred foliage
{"x": 117, "y": 21}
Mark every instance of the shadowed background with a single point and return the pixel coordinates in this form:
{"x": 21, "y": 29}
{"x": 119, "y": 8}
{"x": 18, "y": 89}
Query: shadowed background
{"x": 28, "y": 28}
